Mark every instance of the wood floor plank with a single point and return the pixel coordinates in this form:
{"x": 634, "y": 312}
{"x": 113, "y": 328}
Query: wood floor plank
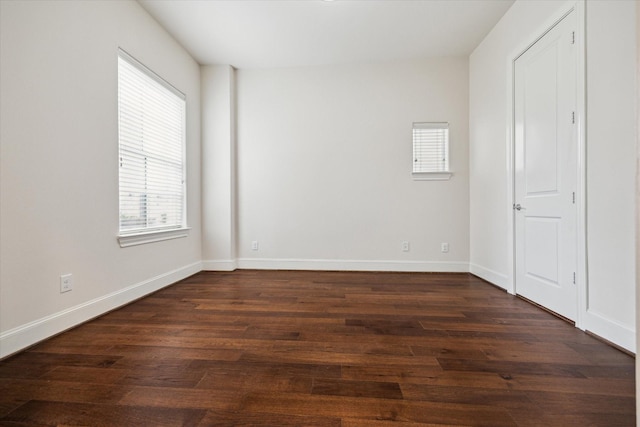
{"x": 87, "y": 375}
{"x": 434, "y": 376}
{"x": 167, "y": 397}
{"x": 255, "y": 381}
{"x": 613, "y": 386}
{"x": 160, "y": 352}
{"x": 525, "y": 419}
{"x": 382, "y": 390}
{"x": 509, "y": 368}
{"x": 273, "y": 368}
{"x": 308, "y": 348}
{"x": 235, "y": 419}
{"x": 34, "y": 365}
{"x": 377, "y": 347}
{"x": 467, "y": 395}
{"x": 60, "y": 413}
{"x": 17, "y": 392}
{"x": 303, "y": 356}
{"x": 581, "y": 404}
{"x": 377, "y": 409}
{"x": 446, "y": 350}
{"x": 163, "y": 377}
{"x": 540, "y": 355}
{"x": 354, "y": 422}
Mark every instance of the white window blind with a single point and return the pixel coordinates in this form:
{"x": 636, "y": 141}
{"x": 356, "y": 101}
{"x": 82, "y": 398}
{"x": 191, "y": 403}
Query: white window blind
{"x": 151, "y": 125}
{"x": 430, "y": 147}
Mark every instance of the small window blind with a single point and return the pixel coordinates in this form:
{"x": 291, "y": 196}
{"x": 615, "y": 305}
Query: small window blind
{"x": 151, "y": 127}
{"x": 430, "y": 147}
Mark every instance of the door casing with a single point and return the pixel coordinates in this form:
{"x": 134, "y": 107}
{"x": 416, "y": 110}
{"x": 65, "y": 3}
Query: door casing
{"x": 581, "y": 243}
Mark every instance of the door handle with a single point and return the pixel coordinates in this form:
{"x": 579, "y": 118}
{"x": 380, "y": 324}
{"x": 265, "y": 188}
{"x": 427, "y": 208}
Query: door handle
{"x": 518, "y": 207}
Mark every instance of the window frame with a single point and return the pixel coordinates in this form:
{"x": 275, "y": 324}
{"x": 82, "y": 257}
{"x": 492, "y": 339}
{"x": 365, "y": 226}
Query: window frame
{"x": 432, "y": 175}
{"x": 138, "y": 236}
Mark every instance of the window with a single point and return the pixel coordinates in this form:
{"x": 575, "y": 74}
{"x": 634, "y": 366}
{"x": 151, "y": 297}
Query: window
{"x": 431, "y": 151}
{"x": 151, "y": 128}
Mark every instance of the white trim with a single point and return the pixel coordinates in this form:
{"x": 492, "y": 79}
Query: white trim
{"x": 581, "y": 274}
{"x": 353, "y": 265}
{"x": 150, "y": 73}
{"x": 152, "y": 236}
{"x": 491, "y": 276}
{"x": 431, "y": 176}
{"x": 23, "y": 336}
{"x": 220, "y": 265}
{"x": 582, "y": 277}
{"x": 611, "y": 330}
{"x": 511, "y": 236}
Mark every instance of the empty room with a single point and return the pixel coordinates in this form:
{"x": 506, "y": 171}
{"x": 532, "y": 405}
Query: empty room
{"x": 318, "y": 212}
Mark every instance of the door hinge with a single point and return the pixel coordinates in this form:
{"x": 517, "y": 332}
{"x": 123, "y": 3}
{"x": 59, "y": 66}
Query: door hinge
{"x": 573, "y": 197}
{"x": 574, "y": 278}
{"x": 573, "y": 117}
{"x": 573, "y": 37}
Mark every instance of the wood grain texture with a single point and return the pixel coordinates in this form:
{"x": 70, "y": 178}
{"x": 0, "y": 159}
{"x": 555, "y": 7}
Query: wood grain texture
{"x": 283, "y": 348}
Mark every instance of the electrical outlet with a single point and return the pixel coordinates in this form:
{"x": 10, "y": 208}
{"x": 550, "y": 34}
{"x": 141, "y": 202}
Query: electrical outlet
{"x": 254, "y": 245}
{"x": 405, "y": 246}
{"x": 66, "y": 283}
{"x": 444, "y": 247}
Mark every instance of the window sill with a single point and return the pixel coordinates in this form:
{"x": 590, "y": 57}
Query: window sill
{"x": 127, "y": 240}
{"x": 431, "y": 176}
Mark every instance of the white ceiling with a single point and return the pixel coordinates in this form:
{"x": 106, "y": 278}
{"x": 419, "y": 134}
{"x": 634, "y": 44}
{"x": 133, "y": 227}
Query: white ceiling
{"x": 285, "y": 33}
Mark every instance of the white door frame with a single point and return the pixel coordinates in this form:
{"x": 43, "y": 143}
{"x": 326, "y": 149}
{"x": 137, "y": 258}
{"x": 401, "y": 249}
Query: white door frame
{"x": 581, "y": 231}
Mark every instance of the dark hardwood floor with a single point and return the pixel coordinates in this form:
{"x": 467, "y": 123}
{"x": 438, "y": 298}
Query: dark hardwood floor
{"x": 284, "y": 348}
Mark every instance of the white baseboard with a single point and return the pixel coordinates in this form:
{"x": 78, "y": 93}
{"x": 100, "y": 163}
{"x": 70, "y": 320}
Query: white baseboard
{"x": 610, "y": 330}
{"x": 352, "y": 265}
{"x": 23, "y": 336}
{"x": 220, "y": 265}
{"x": 489, "y": 275}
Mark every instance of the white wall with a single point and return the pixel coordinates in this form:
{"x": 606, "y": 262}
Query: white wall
{"x": 611, "y": 136}
{"x": 59, "y": 170}
{"x": 218, "y": 168}
{"x": 324, "y": 167}
{"x": 610, "y": 147}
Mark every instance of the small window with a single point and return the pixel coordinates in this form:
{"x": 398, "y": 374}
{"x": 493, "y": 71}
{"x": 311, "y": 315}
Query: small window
{"x": 431, "y": 151}
{"x": 151, "y": 131}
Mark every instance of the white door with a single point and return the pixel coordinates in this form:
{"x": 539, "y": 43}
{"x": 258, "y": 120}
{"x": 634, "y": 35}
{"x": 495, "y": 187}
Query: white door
{"x": 546, "y": 170}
